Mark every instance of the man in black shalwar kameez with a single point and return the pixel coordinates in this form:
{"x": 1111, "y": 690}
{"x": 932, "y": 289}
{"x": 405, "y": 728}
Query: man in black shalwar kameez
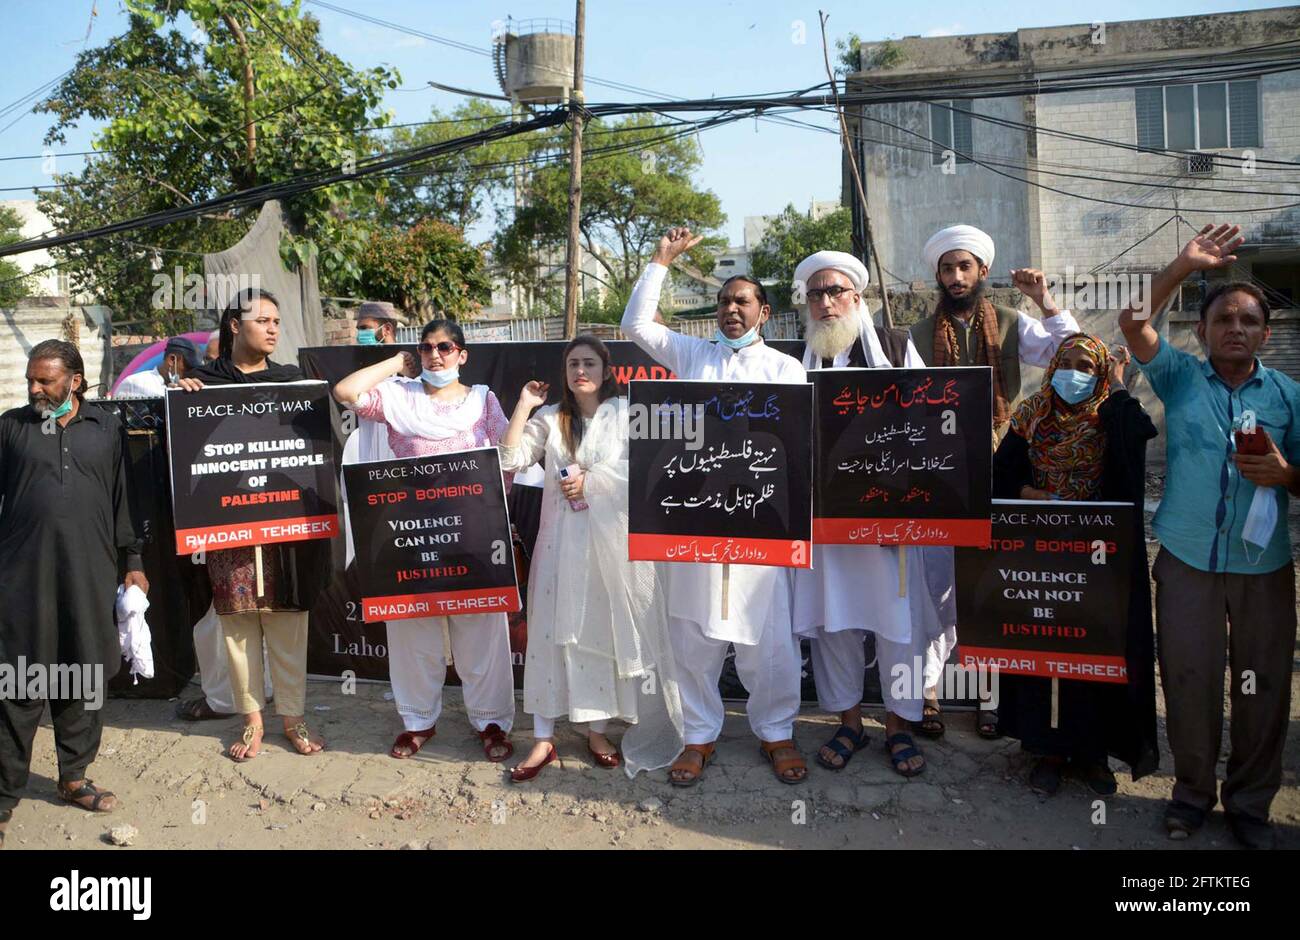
{"x": 66, "y": 540}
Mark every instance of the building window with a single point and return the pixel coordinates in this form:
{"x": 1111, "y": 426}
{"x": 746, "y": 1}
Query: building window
{"x": 1203, "y": 116}
{"x": 950, "y": 130}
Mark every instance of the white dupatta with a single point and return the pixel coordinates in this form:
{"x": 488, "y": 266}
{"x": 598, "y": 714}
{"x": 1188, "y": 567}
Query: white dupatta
{"x": 615, "y": 608}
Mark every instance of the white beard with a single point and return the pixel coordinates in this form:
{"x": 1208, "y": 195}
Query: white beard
{"x": 828, "y": 338}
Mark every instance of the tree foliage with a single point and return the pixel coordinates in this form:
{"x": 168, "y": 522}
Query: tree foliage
{"x": 427, "y": 270}
{"x": 636, "y": 184}
{"x": 793, "y": 236}
{"x": 172, "y": 94}
{"x": 14, "y": 284}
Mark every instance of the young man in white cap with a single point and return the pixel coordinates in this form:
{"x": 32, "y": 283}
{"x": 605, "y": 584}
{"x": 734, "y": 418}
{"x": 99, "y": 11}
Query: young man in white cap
{"x": 853, "y": 589}
{"x": 967, "y": 329}
{"x": 767, "y": 653}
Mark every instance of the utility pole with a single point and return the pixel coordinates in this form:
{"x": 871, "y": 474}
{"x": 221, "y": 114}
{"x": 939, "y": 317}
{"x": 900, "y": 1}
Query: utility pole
{"x": 574, "y": 259}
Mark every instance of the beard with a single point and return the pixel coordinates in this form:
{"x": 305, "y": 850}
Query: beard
{"x": 830, "y": 337}
{"x": 968, "y": 301}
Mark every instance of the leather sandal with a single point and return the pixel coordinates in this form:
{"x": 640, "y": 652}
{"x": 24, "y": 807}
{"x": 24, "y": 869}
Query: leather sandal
{"x": 769, "y": 750}
{"x": 685, "y": 764}
{"x": 87, "y": 789}
{"x": 406, "y": 741}
{"x": 492, "y": 736}
{"x": 858, "y": 740}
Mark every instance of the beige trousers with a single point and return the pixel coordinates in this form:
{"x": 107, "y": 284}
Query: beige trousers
{"x": 285, "y": 634}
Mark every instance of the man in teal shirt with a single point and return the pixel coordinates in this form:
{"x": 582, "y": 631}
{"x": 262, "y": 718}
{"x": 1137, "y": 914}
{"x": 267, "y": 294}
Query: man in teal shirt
{"x": 1225, "y": 553}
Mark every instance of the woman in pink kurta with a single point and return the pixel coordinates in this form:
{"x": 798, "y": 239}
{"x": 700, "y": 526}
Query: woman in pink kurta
{"x": 428, "y": 411}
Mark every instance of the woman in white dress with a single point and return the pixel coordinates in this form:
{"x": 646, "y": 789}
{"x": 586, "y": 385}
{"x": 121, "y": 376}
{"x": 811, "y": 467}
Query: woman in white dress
{"x": 597, "y": 623}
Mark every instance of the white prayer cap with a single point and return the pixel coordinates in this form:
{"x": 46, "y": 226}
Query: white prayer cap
{"x": 840, "y": 261}
{"x": 954, "y": 237}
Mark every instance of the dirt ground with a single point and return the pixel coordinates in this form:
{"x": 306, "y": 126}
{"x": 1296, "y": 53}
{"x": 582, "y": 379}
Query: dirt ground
{"x": 179, "y": 790}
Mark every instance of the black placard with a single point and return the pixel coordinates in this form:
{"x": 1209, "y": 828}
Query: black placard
{"x": 720, "y": 472}
{"x": 432, "y": 536}
{"x": 251, "y": 465}
{"x": 1050, "y": 597}
{"x": 904, "y": 456}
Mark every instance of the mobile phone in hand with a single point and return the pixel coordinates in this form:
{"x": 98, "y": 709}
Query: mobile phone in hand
{"x": 565, "y": 473}
{"x": 1254, "y": 444}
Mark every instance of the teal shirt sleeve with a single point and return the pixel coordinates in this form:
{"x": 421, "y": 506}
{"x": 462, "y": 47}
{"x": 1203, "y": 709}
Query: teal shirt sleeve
{"x": 1167, "y": 368}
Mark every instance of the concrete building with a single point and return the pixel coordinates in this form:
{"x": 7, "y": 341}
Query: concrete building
{"x": 51, "y": 283}
{"x": 1041, "y": 172}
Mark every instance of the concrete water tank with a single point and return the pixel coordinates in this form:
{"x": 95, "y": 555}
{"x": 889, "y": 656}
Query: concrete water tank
{"x": 534, "y": 60}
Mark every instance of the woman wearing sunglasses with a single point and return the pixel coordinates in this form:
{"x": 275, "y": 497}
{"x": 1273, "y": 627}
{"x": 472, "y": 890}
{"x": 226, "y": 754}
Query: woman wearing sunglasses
{"x": 428, "y": 411}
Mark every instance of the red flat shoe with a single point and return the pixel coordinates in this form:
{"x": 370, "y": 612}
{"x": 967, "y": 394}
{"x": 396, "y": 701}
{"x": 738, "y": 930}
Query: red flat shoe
{"x": 608, "y": 761}
{"x": 407, "y": 740}
{"x": 521, "y": 773}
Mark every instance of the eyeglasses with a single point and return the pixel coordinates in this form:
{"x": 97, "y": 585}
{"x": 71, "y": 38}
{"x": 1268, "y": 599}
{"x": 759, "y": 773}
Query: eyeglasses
{"x": 443, "y": 348}
{"x": 834, "y": 293}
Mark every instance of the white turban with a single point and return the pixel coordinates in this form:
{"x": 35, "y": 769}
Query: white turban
{"x": 840, "y": 261}
{"x": 955, "y": 237}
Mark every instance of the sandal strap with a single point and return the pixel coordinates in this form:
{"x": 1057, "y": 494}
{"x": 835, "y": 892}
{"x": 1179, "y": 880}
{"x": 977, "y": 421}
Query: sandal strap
{"x": 781, "y": 765}
{"x": 839, "y": 748}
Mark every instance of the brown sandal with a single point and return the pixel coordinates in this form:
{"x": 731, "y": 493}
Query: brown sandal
{"x": 781, "y": 765}
{"x": 88, "y": 790}
{"x": 685, "y": 764}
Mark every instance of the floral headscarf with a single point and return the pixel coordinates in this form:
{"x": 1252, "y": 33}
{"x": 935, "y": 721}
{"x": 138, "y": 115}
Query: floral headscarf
{"x": 1066, "y": 442}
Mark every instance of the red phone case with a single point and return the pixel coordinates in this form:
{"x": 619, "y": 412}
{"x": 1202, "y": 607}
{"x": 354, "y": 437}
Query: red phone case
{"x": 1254, "y": 444}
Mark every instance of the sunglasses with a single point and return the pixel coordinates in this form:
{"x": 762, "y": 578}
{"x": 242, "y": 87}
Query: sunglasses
{"x": 443, "y": 348}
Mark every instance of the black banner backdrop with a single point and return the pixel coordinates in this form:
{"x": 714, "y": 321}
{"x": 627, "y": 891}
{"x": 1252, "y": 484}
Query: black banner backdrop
{"x": 251, "y": 465}
{"x": 1050, "y": 598}
{"x": 432, "y": 536}
{"x": 339, "y": 638}
{"x": 904, "y": 456}
{"x": 720, "y": 472}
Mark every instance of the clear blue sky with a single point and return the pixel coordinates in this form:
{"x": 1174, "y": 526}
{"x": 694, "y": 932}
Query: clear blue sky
{"x": 682, "y": 48}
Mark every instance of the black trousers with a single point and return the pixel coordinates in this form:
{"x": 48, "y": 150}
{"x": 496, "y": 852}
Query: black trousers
{"x": 77, "y": 732}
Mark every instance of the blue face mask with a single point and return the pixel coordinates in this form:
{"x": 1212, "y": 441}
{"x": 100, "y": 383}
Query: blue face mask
{"x": 60, "y": 411}
{"x": 739, "y": 342}
{"x": 1073, "y": 386}
{"x": 440, "y": 379}
{"x": 368, "y": 337}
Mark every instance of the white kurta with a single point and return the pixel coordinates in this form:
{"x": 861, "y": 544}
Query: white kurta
{"x": 368, "y": 441}
{"x": 148, "y": 384}
{"x": 758, "y": 594}
{"x": 563, "y": 679}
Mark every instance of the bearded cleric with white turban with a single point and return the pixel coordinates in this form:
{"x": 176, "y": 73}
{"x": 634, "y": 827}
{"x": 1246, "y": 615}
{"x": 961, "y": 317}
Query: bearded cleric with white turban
{"x": 853, "y": 589}
{"x": 967, "y": 329}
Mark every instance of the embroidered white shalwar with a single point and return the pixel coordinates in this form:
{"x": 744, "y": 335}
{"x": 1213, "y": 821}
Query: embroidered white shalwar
{"x": 597, "y": 623}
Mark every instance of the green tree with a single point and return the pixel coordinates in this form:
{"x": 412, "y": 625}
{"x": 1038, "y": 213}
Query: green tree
{"x": 14, "y": 284}
{"x": 200, "y": 98}
{"x": 793, "y": 236}
{"x": 637, "y": 182}
{"x": 427, "y": 270}
{"x": 463, "y": 187}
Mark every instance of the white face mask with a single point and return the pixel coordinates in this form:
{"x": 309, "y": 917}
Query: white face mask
{"x": 1260, "y": 521}
{"x": 441, "y": 378}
